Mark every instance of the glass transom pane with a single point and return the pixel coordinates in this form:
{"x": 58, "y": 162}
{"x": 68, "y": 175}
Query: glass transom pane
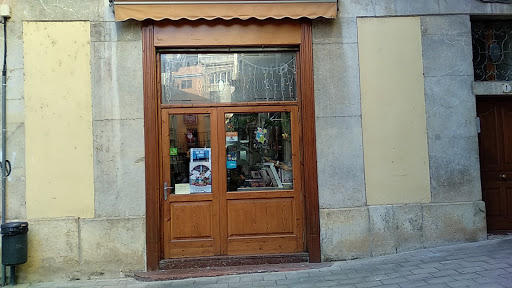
{"x": 228, "y": 77}
{"x": 492, "y": 50}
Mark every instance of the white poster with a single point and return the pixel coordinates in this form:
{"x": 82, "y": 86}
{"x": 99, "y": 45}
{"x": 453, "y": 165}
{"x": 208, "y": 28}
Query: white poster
{"x": 200, "y": 177}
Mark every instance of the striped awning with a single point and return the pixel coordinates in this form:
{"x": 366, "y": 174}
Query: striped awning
{"x": 227, "y": 9}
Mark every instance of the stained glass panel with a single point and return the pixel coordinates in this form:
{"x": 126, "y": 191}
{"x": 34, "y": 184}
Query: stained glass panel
{"x": 492, "y": 50}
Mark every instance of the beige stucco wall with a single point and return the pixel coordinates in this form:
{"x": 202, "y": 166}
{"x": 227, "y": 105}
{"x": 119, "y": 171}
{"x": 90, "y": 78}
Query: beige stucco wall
{"x": 58, "y": 119}
{"x": 393, "y": 110}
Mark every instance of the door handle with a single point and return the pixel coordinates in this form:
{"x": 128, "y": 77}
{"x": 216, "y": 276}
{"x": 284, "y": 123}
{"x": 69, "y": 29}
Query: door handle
{"x": 503, "y": 176}
{"x": 165, "y": 190}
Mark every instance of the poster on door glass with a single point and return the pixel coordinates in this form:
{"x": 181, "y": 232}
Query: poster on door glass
{"x": 200, "y": 177}
{"x": 200, "y": 155}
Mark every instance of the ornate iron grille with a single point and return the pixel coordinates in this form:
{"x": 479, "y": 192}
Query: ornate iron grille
{"x": 492, "y": 50}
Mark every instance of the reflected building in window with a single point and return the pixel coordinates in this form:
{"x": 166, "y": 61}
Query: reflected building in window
{"x": 224, "y": 78}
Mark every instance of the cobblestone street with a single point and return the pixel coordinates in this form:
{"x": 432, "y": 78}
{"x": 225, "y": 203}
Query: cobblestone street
{"x": 484, "y": 264}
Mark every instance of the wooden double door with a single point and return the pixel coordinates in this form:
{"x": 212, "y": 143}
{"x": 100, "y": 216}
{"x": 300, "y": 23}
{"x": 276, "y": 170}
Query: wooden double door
{"x": 231, "y": 181}
{"x": 495, "y": 142}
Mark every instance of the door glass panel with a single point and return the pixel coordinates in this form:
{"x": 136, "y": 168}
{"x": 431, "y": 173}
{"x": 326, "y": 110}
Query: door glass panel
{"x": 228, "y": 77}
{"x": 190, "y": 152}
{"x": 259, "y": 151}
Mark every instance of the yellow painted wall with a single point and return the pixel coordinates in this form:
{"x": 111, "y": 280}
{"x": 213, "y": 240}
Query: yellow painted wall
{"x": 58, "y": 119}
{"x": 393, "y": 110}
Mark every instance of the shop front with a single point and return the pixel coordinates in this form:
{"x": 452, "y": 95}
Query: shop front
{"x": 229, "y": 128}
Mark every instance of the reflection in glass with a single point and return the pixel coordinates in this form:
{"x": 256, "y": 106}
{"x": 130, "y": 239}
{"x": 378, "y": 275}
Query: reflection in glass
{"x": 233, "y": 77}
{"x": 259, "y": 151}
{"x": 190, "y": 153}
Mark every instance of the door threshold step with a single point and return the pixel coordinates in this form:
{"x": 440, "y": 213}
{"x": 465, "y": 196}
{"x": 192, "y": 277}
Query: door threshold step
{"x": 228, "y": 261}
{"x": 177, "y": 274}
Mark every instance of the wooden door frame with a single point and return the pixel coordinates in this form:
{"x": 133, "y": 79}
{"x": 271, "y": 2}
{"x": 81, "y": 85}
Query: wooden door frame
{"x": 152, "y": 135}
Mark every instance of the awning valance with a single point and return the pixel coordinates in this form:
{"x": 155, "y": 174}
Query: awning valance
{"x": 227, "y": 9}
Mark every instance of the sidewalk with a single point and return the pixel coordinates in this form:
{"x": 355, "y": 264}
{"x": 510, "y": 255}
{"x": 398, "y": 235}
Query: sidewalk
{"x": 484, "y": 264}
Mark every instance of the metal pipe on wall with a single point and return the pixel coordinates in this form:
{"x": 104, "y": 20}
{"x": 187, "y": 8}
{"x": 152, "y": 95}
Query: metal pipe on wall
{"x": 4, "y": 129}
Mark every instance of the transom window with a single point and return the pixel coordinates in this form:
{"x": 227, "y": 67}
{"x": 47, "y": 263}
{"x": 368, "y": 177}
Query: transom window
{"x": 492, "y": 50}
{"x": 228, "y": 77}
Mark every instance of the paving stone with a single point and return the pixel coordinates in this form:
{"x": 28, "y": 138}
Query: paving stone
{"x": 485, "y": 280}
{"x": 205, "y": 280}
{"x": 327, "y": 284}
{"x": 369, "y": 284}
{"x": 497, "y": 266}
{"x": 264, "y": 283}
{"x": 445, "y": 272}
{"x": 466, "y": 276}
{"x": 390, "y": 286}
{"x": 424, "y": 270}
{"x": 440, "y": 280}
{"x": 395, "y": 280}
{"x": 183, "y": 283}
{"x": 288, "y": 281}
{"x": 495, "y": 272}
{"x": 359, "y": 274}
{"x": 491, "y": 285}
{"x": 437, "y": 286}
{"x": 461, "y": 283}
{"x": 232, "y": 279}
{"x": 452, "y": 266}
{"x": 311, "y": 280}
{"x": 304, "y": 285}
{"x": 470, "y": 270}
{"x": 335, "y": 277}
{"x": 277, "y": 276}
{"x": 418, "y": 276}
{"x": 431, "y": 265}
{"x": 251, "y": 278}
{"x": 411, "y": 284}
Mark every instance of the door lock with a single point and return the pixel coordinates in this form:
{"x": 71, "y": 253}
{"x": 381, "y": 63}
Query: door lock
{"x": 503, "y": 176}
{"x": 165, "y": 190}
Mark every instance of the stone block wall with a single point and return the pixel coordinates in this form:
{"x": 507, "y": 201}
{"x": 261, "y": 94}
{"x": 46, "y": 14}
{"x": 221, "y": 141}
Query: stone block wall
{"x": 349, "y": 227}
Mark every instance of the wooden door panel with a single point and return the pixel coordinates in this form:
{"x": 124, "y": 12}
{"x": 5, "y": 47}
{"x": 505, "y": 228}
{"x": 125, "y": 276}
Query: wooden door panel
{"x": 191, "y": 229}
{"x": 191, "y": 220}
{"x": 489, "y": 149}
{"x": 186, "y": 248}
{"x": 500, "y": 221}
{"x": 493, "y": 198}
{"x": 262, "y": 245}
{"x": 506, "y": 113}
{"x": 508, "y": 197}
{"x": 258, "y": 217}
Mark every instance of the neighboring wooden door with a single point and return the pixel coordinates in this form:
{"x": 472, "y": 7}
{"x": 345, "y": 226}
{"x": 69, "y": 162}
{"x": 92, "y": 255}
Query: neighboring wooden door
{"x": 495, "y": 142}
{"x": 248, "y": 196}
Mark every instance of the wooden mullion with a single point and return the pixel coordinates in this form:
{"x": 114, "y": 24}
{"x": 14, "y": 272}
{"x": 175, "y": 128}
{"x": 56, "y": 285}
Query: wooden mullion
{"x": 309, "y": 140}
{"x": 222, "y": 187}
{"x": 151, "y": 147}
{"x": 238, "y": 104}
